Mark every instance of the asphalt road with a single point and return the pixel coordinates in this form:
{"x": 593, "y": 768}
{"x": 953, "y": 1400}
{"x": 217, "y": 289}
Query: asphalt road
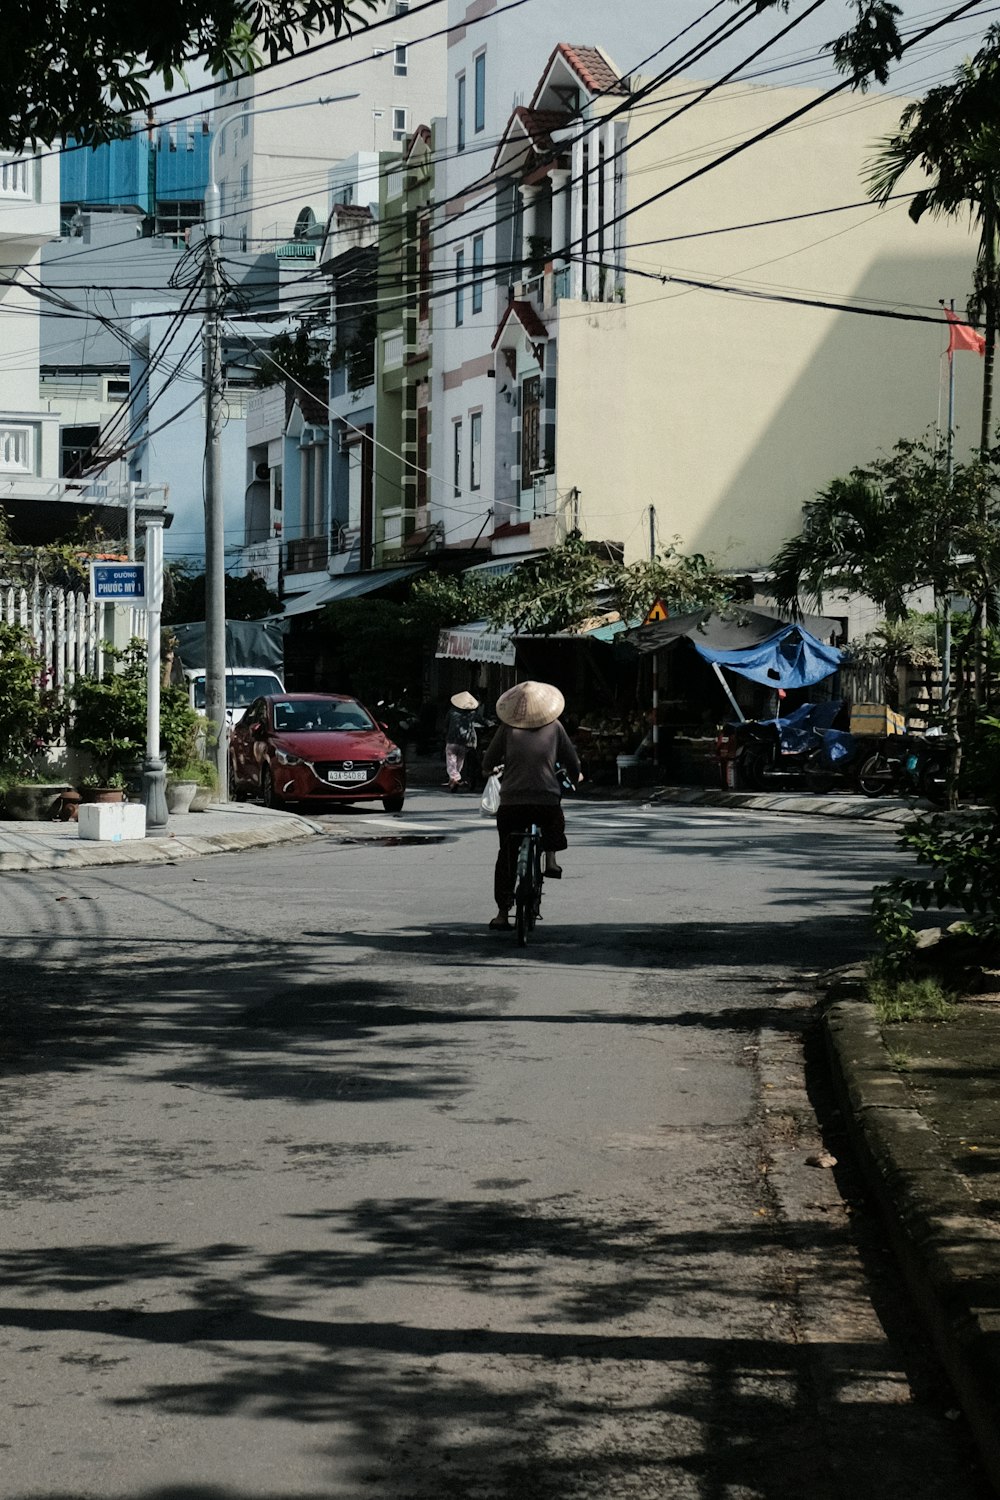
{"x": 311, "y": 1186}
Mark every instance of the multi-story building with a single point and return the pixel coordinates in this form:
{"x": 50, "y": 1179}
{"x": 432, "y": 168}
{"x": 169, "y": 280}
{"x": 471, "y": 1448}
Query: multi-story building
{"x": 636, "y": 340}
{"x": 29, "y": 218}
{"x": 159, "y": 174}
{"x": 403, "y": 354}
{"x": 366, "y": 91}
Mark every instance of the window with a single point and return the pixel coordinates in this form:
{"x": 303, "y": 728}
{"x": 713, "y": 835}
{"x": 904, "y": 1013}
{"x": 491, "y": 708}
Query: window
{"x": 222, "y": 142}
{"x": 531, "y": 393}
{"x": 116, "y": 389}
{"x": 459, "y": 289}
{"x": 460, "y": 113}
{"x": 475, "y": 449}
{"x": 399, "y": 124}
{"x": 399, "y": 62}
{"x": 456, "y": 467}
{"x": 245, "y": 130}
{"x": 402, "y": 6}
{"x": 477, "y": 272}
{"x": 244, "y": 181}
{"x": 76, "y": 449}
{"x": 479, "y": 115}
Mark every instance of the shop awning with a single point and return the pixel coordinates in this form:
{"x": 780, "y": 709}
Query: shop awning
{"x": 790, "y": 658}
{"x": 347, "y": 586}
{"x": 477, "y": 641}
{"x": 752, "y": 642}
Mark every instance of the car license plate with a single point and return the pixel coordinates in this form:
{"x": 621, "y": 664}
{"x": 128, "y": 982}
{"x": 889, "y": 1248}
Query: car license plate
{"x": 337, "y": 776}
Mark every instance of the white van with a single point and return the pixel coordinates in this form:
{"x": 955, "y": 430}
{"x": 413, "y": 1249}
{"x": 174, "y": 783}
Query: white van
{"x": 243, "y": 685}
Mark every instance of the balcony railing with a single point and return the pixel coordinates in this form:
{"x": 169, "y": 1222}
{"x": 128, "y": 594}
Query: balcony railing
{"x": 308, "y": 554}
{"x": 16, "y": 180}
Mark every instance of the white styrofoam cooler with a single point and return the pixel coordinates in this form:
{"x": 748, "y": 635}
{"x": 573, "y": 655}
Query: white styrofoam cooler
{"x": 112, "y": 822}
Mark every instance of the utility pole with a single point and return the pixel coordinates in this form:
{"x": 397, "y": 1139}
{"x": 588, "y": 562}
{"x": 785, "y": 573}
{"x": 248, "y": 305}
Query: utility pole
{"x": 215, "y": 533}
{"x": 215, "y": 525}
{"x": 656, "y": 654}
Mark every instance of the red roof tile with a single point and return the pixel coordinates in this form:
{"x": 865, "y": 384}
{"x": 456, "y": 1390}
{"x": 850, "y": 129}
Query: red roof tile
{"x": 594, "y": 69}
{"x": 526, "y": 316}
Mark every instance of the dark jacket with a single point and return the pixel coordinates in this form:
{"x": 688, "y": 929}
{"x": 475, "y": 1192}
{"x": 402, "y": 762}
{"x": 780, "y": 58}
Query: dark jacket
{"x": 460, "y": 728}
{"x": 529, "y": 758}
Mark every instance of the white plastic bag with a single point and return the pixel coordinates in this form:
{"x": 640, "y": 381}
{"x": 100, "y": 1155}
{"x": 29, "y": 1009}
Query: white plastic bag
{"x": 491, "y": 796}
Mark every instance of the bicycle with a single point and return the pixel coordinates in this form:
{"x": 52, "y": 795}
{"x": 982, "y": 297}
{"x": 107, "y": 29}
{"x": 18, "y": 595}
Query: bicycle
{"x": 528, "y": 883}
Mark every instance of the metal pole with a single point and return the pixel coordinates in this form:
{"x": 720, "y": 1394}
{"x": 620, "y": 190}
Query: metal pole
{"x": 154, "y": 776}
{"x": 946, "y": 605}
{"x": 130, "y": 546}
{"x": 656, "y": 654}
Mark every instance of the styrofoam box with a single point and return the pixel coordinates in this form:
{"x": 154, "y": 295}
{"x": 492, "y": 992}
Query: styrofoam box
{"x": 112, "y": 822}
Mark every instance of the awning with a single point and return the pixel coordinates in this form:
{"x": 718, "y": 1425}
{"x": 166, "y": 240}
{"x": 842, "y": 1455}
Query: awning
{"x": 746, "y": 626}
{"x": 478, "y": 641}
{"x": 790, "y": 658}
{"x": 347, "y": 586}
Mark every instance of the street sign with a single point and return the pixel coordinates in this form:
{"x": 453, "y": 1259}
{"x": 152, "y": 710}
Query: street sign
{"x": 658, "y": 612}
{"x": 118, "y": 583}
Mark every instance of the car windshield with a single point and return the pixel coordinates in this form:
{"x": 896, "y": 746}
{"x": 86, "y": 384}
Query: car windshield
{"x": 241, "y": 688}
{"x": 300, "y": 715}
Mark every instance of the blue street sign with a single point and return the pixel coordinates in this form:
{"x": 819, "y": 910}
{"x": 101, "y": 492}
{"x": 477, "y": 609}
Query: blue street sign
{"x": 118, "y": 583}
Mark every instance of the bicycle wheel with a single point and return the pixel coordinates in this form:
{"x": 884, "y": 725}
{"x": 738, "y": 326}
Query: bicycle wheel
{"x": 875, "y": 775}
{"x": 521, "y": 919}
{"x": 523, "y": 894}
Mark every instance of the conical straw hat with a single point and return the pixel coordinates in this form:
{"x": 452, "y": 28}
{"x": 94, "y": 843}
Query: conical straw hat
{"x": 464, "y": 700}
{"x": 530, "y": 705}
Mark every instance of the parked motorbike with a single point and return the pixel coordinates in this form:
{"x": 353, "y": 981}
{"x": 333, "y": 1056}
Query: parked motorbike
{"x": 835, "y": 761}
{"x": 908, "y": 765}
{"x": 761, "y": 754}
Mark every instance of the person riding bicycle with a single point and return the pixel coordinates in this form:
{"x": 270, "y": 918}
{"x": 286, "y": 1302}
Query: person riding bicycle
{"x": 530, "y": 744}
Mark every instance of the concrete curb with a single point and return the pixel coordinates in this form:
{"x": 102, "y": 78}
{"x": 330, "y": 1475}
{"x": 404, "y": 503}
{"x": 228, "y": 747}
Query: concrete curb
{"x": 83, "y": 855}
{"x": 891, "y": 810}
{"x": 950, "y": 1257}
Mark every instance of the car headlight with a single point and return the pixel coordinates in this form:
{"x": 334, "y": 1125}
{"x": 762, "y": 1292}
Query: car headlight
{"x": 394, "y": 758}
{"x": 286, "y": 758}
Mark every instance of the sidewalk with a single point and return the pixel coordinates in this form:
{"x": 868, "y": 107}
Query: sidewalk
{"x": 920, "y": 1102}
{"x": 221, "y": 830}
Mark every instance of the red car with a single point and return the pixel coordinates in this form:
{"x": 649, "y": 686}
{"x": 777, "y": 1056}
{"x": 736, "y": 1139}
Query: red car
{"x": 299, "y": 747}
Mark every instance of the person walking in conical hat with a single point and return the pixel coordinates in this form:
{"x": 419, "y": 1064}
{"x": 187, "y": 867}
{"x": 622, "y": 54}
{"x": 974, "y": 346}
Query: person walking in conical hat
{"x": 530, "y": 744}
{"x": 459, "y": 736}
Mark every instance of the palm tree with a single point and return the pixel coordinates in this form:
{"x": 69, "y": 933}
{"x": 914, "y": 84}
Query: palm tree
{"x": 852, "y": 540}
{"x": 954, "y": 135}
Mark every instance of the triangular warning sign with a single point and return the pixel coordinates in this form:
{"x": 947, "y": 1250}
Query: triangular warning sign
{"x": 658, "y": 612}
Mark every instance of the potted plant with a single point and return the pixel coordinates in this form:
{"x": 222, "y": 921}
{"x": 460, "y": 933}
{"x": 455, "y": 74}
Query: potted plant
{"x": 207, "y": 777}
{"x": 104, "y": 786}
{"x": 109, "y": 721}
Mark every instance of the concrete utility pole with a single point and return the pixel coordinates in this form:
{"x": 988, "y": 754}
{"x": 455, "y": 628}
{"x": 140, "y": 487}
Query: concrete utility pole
{"x": 215, "y": 524}
{"x": 215, "y": 534}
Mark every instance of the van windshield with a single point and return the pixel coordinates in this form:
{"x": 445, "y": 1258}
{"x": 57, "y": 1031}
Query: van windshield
{"x": 241, "y": 688}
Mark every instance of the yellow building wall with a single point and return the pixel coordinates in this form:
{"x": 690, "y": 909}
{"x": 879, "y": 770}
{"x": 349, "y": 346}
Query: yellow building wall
{"x": 727, "y": 414}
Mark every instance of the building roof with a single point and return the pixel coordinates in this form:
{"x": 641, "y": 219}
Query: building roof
{"x": 526, "y": 316}
{"x": 533, "y": 125}
{"x": 595, "y": 72}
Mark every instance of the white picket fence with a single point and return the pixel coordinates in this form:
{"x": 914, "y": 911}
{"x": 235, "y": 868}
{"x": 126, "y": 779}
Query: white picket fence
{"x": 70, "y": 630}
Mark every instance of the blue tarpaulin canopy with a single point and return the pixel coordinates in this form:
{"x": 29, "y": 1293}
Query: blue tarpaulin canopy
{"x": 790, "y": 658}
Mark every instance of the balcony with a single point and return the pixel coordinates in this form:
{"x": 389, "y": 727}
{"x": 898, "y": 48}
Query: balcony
{"x": 17, "y": 181}
{"x": 308, "y": 554}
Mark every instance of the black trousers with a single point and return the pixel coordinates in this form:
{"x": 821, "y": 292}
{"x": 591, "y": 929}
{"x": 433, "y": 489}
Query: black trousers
{"x": 512, "y": 824}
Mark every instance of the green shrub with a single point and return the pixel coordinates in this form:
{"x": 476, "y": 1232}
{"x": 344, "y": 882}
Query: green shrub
{"x": 31, "y": 716}
{"x": 109, "y": 718}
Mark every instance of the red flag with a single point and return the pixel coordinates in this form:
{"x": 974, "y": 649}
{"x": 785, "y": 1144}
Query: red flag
{"x": 961, "y": 336}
